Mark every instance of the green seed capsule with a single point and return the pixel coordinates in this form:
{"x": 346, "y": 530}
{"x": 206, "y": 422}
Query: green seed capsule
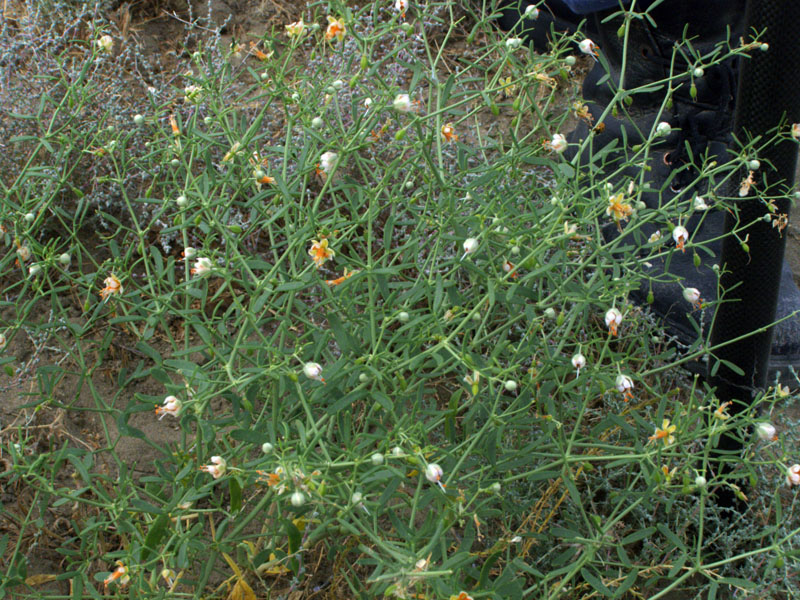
{"x": 235, "y": 229}
{"x": 650, "y": 297}
{"x": 621, "y": 31}
{"x": 364, "y": 62}
{"x": 693, "y": 91}
{"x": 746, "y": 247}
{"x": 400, "y": 134}
{"x": 494, "y": 108}
{"x": 696, "y": 259}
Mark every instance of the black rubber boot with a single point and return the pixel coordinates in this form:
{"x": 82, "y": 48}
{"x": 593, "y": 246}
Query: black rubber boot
{"x": 552, "y": 17}
{"x": 700, "y": 121}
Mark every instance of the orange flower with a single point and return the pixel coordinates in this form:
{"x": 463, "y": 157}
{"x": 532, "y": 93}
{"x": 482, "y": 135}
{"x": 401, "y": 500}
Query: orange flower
{"x": 174, "y": 124}
{"x": 510, "y": 269}
{"x": 449, "y": 133}
{"x": 461, "y": 596}
{"x": 319, "y": 252}
{"x": 347, "y": 275}
{"x": 336, "y": 29}
{"x": 113, "y": 287}
{"x": 121, "y": 573}
{"x": 664, "y": 433}
{"x": 618, "y": 209}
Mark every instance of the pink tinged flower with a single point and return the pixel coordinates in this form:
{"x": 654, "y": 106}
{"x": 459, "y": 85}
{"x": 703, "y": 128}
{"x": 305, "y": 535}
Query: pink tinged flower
{"x": 613, "y": 320}
{"x": 766, "y": 432}
{"x": 217, "y": 467}
{"x": 401, "y": 6}
{"x": 23, "y": 253}
{"x": 402, "y": 103}
{"x": 531, "y": 12}
{"x": 624, "y": 386}
{"x": 433, "y": 473}
{"x": 313, "y": 370}
{"x": 793, "y": 475}
{"x": 558, "y": 143}
{"x": 171, "y": 406}
{"x": 105, "y": 43}
{"x": 796, "y": 131}
{"x": 587, "y": 46}
{"x": 578, "y": 361}
{"x": 202, "y": 267}
{"x": 692, "y": 295}
{"x": 681, "y": 236}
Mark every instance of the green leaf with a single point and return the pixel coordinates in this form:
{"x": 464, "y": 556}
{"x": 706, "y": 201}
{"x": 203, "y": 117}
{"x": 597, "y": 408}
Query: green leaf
{"x": 157, "y": 530}
{"x": 236, "y": 494}
{"x": 593, "y": 581}
{"x": 295, "y": 537}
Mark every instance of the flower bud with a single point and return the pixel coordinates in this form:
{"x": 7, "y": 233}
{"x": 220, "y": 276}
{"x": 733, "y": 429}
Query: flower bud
{"x": 267, "y": 448}
{"x": 377, "y": 459}
{"x": 510, "y": 385}
{"x": 403, "y": 317}
{"x": 138, "y": 120}
{"x": 316, "y": 122}
{"x": 766, "y": 431}
{"x": 663, "y": 129}
{"x": 297, "y": 499}
{"x": 65, "y": 258}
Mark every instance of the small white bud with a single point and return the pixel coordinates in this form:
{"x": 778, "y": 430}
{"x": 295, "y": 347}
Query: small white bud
{"x": 65, "y": 258}
{"x": 514, "y": 250}
{"x": 377, "y": 459}
{"x": 531, "y": 12}
{"x": 397, "y": 451}
{"x": 496, "y": 487}
{"x": 698, "y": 72}
{"x": 267, "y": 448}
{"x": 513, "y": 43}
{"x": 403, "y": 317}
{"x": 30, "y": 217}
{"x": 402, "y": 103}
{"x": 181, "y": 201}
{"x": 356, "y": 497}
{"x": 208, "y": 120}
{"x": 337, "y": 85}
{"x": 550, "y": 313}
{"x": 316, "y": 122}
{"x": 570, "y": 60}
{"x": 295, "y": 97}
{"x": 700, "y": 481}
{"x": 138, "y": 120}
{"x": 766, "y": 432}
{"x": 510, "y": 385}
{"x": 754, "y": 165}
{"x": 367, "y": 102}
{"x": 297, "y": 499}
{"x": 34, "y": 270}
{"x": 663, "y": 129}
{"x": 470, "y": 245}
{"x": 579, "y": 361}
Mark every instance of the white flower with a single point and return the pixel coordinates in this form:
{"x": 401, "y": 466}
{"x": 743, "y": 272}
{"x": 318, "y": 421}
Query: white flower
{"x": 624, "y": 386}
{"x": 402, "y": 103}
{"x": 613, "y": 320}
{"x": 105, "y": 43}
{"x": 793, "y": 475}
{"x": 692, "y": 295}
{"x": 558, "y": 143}
{"x": 681, "y": 236}
{"x": 171, "y": 406}
{"x": 587, "y": 46}
{"x": 654, "y": 237}
{"x": 433, "y": 473}
{"x": 327, "y": 161}
{"x": 202, "y": 267}
{"x": 34, "y": 270}
{"x": 578, "y": 361}
{"x": 470, "y": 245}
{"x": 401, "y": 6}
{"x": 663, "y": 129}
{"x": 367, "y": 102}
{"x": 700, "y": 203}
{"x": 189, "y": 252}
{"x": 796, "y": 131}
{"x": 531, "y": 12}
{"x": 296, "y": 29}
{"x": 766, "y": 432}
{"x": 217, "y": 467}
{"x": 313, "y": 370}
{"x": 513, "y": 43}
